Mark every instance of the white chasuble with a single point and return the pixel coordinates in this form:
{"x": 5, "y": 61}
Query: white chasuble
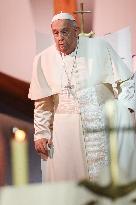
{"x": 79, "y": 135}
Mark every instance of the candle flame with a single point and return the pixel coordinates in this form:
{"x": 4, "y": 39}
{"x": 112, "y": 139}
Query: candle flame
{"x": 20, "y": 135}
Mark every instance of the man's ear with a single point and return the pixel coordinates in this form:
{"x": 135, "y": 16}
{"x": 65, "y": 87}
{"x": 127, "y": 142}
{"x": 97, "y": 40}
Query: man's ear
{"x": 77, "y": 31}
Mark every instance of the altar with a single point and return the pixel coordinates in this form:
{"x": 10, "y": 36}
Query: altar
{"x": 63, "y": 193}
{"x": 51, "y": 194}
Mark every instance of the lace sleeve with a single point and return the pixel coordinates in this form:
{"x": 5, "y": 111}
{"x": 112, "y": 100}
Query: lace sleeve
{"x": 127, "y": 94}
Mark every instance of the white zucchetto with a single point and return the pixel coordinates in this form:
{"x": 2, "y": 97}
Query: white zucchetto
{"x": 62, "y": 16}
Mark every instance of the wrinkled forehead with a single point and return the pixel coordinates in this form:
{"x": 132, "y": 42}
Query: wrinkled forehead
{"x": 61, "y": 23}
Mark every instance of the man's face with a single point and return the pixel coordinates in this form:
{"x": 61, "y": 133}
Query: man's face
{"x": 65, "y": 35}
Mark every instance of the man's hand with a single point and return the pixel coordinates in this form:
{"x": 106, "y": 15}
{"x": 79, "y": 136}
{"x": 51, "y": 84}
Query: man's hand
{"x": 41, "y": 147}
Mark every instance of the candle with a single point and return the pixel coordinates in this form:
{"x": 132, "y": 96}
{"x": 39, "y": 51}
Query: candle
{"x": 19, "y": 157}
{"x": 111, "y": 111}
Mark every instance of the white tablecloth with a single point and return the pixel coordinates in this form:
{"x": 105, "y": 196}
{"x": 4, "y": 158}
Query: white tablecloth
{"x": 55, "y": 194}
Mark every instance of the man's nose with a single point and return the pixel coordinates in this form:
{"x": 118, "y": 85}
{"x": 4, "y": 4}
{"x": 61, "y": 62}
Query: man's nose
{"x": 61, "y": 37}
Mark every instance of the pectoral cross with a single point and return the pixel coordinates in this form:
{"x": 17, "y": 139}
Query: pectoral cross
{"x": 69, "y": 87}
{"x": 82, "y": 12}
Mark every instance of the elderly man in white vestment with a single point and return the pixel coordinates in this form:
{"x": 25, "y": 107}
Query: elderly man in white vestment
{"x": 71, "y": 82}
